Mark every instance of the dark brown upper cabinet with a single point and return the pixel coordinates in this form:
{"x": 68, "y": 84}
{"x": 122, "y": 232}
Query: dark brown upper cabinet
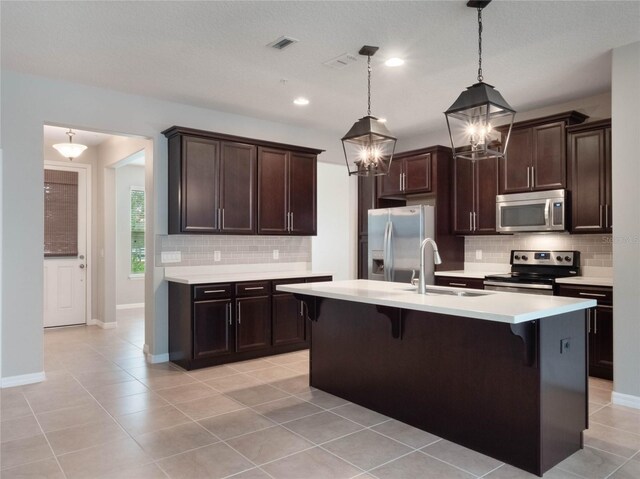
{"x": 409, "y": 173}
{"x": 213, "y": 185}
{"x": 536, "y": 155}
{"x": 589, "y": 151}
{"x": 474, "y": 198}
{"x": 286, "y": 192}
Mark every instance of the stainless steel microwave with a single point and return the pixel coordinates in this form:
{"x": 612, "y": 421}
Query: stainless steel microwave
{"x": 531, "y": 212}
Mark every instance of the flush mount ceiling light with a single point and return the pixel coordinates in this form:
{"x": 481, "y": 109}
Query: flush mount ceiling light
{"x": 301, "y": 101}
{"x": 70, "y": 150}
{"x": 368, "y": 145}
{"x": 394, "y": 62}
{"x": 471, "y": 119}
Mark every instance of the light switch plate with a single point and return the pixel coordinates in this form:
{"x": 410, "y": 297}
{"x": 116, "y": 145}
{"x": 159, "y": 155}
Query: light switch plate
{"x": 276, "y": 254}
{"x": 478, "y": 254}
{"x": 171, "y": 256}
{"x": 216, "y": 255}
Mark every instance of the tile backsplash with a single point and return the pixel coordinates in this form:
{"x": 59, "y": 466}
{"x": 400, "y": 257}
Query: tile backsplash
{"x": 199, "y": 250}
{"x": 595, "y": 250}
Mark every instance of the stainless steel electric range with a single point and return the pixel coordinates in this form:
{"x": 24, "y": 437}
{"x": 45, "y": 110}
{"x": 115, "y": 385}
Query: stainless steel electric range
{"x": 535, "y": 271}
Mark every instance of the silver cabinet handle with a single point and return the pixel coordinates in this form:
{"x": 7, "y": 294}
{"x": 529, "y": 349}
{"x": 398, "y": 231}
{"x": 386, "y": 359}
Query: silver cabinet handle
{"x": 596, "y": 295}
{"x": 470, "y": 221}
{"x": 218, "y": 219}
{"x": 595, "y": 321}
{"x": 588, "y": 321}
{"x": 606, "y": 216}
{"x": 291, "y": 221}
{"x": 301, "y": 308}
{"x": 462, "y": 285}
{"x": 475, "y": 222}
{"x": 400, "y": 181}
{"x": 207, "y": 291}
{"x": 228, "y": 313}
{"x": 238, "y": 313}
{"x": 222, "y": 222}
{"x": 528, "y": 177}
{"x": 600, "y": 220}
{"x": 254, "y": 288}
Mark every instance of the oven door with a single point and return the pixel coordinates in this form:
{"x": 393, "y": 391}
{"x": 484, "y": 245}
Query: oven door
{"x": 543, "y": 289}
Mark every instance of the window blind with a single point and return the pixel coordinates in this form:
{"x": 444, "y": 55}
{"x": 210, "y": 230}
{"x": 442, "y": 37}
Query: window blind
{"x": 60, "y": 213}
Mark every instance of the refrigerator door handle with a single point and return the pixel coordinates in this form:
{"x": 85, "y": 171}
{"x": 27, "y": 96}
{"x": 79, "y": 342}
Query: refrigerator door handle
{"x": 385, "y": 253}
{"x": 390, "y": 252}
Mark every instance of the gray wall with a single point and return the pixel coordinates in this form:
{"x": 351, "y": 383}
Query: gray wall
{"x": 626, "y": 220}
{"x": 31, "y": 101}
{"x": 128, "y": 290}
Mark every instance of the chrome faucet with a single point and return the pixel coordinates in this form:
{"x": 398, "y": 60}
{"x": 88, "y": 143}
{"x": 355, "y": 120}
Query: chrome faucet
{"x": 422, "y": 282}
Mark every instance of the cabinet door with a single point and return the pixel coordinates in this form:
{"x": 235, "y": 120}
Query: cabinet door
{"x": 601, "y": 343}
{"x": 417, "y": 171}
{"x": 272, "y": 191}
{"x": 237, "y": 188}
{"x": 588, "y": 180}
{"x": 199, "y": 189}
{"x": 549, "y": 157}
{"x": 288, "y": 322}
{"x": 463, "y": 197}
{"x": 486, "y": 189}
{"x": 514, "y": 169}
{"x": 253, "y": 323}
{"x": 366, "y": 201}
{"x": 390, "y": 184}
{"x": 211, "y": 328}
{"x": 302, "y": 193}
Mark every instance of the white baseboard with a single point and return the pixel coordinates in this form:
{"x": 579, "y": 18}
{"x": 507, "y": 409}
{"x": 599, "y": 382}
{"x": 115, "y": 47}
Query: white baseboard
{"x": 154, "y": 358}
{"x": 130, "y": 306}
{"x": 625, "y": 400}
{"x": 101, "y": 324}
{"x": 22, "y": 379}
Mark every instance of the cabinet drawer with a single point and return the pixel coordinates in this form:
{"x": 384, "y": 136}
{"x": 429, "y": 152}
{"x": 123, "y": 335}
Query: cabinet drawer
{"x": 454, "y": 282}
{"x": 253, "y": 288}
{"x": 278, "y": 282}
{"x": 604, "y": 296}
{"x": 211, "y": 291}
{"x": 319, "y": 279}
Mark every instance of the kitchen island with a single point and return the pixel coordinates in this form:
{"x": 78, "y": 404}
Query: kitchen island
{"x": 501, "y": 373}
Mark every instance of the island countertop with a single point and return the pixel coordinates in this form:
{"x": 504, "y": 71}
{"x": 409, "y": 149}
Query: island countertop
{"x": 488, "y": 305}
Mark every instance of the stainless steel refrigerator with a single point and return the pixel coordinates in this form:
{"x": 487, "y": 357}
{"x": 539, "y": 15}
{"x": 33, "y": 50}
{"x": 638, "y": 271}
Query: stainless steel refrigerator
{"x": 395, "y": 235}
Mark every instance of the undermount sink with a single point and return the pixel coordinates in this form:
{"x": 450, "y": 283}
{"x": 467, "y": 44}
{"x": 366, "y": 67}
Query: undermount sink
{"x": 453, "y": 292}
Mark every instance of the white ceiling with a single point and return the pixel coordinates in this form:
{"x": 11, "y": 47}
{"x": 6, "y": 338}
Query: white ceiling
{"x": 214, "y": 54}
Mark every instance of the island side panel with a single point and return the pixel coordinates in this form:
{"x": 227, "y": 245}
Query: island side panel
{"x": 563, "y": 378}
{"x": 459, "y": 378}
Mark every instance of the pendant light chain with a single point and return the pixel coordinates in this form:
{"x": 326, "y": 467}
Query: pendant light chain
{"x": 480, "y": 77}
{"x": 368, "y": 85}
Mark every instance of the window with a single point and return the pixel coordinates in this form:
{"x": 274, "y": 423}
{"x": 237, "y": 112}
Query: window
{"x": 61, "y": 213}
{"x": 137, "y": 230}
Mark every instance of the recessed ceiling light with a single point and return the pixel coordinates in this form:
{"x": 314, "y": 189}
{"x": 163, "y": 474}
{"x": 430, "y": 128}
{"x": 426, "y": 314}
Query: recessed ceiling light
{"x": 301, "y": 101}
{"x": 394, "y": 62}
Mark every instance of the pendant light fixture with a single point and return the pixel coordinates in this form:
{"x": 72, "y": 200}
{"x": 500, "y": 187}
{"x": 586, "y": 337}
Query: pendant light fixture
{"x": 471, "y": 119}
{"x": 70, "y": 150}
{"x": 368, "y": 145}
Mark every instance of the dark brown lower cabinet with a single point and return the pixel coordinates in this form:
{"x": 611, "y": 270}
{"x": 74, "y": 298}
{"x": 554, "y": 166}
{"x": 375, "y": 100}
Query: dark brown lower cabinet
{"x": 253, "y": 323}
{"x": 221, "y": 323}
{"x": 600, "y": 326}
{"x": 212, "y": 328}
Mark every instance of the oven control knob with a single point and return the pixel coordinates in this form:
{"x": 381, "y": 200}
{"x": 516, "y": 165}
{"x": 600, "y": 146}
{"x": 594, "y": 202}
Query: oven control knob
{"x": 567, "y": 258}
{"x": 516, "y": 257}
{"x": 558, "y": 258}
{"x": 525, "y": 257}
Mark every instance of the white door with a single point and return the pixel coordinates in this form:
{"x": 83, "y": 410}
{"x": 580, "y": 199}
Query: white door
{"x": 65, "y": 245}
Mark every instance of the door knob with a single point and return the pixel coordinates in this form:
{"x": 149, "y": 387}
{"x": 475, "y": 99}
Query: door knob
{"x": 81, "y": 266}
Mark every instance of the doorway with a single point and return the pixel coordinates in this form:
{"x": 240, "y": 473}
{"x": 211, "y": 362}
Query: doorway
{"x": 67, "y": 211}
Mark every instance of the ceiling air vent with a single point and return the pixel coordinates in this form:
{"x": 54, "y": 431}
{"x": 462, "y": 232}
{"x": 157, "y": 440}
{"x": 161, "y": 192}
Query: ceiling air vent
{"x": 282, "y": 43}
{"x": 343, "y": 61}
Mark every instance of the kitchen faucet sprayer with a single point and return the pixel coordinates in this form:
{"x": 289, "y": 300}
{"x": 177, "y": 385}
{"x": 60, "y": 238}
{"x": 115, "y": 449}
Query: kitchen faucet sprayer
{"x": 422, "y": 283}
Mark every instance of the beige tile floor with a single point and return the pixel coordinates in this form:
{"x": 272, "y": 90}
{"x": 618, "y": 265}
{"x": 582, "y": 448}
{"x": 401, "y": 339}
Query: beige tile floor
{"x": 104, "y": 413}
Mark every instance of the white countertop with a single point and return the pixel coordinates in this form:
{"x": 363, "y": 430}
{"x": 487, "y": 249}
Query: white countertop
{"x": 493, "y": 306}
{"x": 587, "y": 280}
{"x": 198, "y": 277}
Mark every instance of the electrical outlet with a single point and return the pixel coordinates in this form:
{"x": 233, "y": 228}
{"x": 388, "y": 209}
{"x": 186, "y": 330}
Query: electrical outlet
{"x": 276, "y": 254}
{"x": 171, "y": 256}
{"x": 216, "y": 255}
{"x": 478, "y": 254}
{"x": 564, "y": 345}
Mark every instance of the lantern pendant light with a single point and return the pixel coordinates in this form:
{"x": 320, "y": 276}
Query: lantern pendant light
{"x": 70, "y": 150}
{"x": 368, "y": 145}
{"x": 471, "y": 119}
